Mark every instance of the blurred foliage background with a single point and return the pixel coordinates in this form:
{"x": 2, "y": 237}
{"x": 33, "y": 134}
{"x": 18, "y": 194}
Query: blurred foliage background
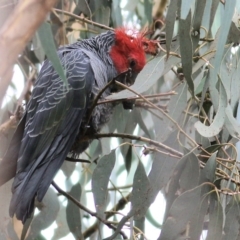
{"x": 180, "y": 139}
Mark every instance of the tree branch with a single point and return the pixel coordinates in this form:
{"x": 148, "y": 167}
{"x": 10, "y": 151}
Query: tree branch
{"x": 94, "y": 214}
{"x": 119, "y": 206}
{"x": 143, "y": 139}
{"x": 14, "y": 37}
{"x": 82, "y": 19}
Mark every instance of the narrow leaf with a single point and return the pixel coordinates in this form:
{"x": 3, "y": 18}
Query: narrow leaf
{"x": 100, "y": 179}
{"x": 186, "y": 169}
{"x": 140, "y": 192}
{"x": 180, "y": 214}
{"x": 176, "y": 106}
{"x": 199, "y": 10}
{"x": 186, "y": 50}
{"x": 46, "y": 38}
{"x": 215, "y": 220}
{"x": 73, "y": 213}
{"x": 231, "y": 228}
{"x": 170, "y": 21}
{"x": 217, "y": 124}
{"x": 231, "y": 123}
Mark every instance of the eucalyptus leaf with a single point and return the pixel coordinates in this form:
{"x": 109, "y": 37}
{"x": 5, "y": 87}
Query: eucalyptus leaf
{"x": 215, "y": 220}
{"x": 47, "y": 215}
{"x": 73, "y": 213}
{"x": 162, "y": 167}
{"x": 186, "y": 49}
{"x": 228, "y": 14}
{"x": 215, "y": 4}
{"x": 186, "y": 168}
{"x": 198, "y": 14}
{"x": 180, "y": 214}
{"x": 232, "y": 125}
{"x": 47, "y": 42}
{"x": 177, "y": 104}
{"x": 100, "y": 179}
{"x": 231, "y": 228}
{"x": 140, "y": 192}
{"x": 218, "y": 122}
{"x": 171, "y": 15}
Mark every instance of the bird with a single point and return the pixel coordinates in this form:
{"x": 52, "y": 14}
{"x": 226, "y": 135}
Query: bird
{"x": 58, "y": 118}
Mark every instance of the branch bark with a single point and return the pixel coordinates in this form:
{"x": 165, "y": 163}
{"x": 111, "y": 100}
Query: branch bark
{"x": 16, "y": 32}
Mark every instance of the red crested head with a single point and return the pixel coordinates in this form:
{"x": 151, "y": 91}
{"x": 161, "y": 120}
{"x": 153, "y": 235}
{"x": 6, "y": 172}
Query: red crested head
{"x": 128, "y": 51}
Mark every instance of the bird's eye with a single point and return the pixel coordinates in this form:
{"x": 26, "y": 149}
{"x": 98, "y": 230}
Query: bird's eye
{"x": 132, "y": 63}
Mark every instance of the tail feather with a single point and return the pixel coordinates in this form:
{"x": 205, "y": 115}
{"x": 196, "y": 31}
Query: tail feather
{"x": 36, "y": 179}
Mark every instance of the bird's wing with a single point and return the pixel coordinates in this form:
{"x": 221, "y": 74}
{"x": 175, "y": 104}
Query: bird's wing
{"x": 53, "y": 119}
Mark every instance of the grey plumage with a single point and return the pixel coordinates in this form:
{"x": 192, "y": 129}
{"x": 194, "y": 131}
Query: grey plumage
{"x": 54, "y": 117}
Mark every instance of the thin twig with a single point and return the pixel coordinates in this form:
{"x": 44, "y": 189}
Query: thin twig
{"x": 119, "y": 206}
{"x": 70, "y": 159}
{"x": 83, "y": 19}
{"x": 159, "y": 95}
{"x": 94, "y": 214}
{"x": 95, "y": 101}
{"x": 154, "y": 106}
{"x": 138, "y": 138}
{"x": 68, "y": 196}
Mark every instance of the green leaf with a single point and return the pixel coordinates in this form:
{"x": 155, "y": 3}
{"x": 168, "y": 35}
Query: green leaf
{"x": 120, "y": 116}
{"x": 116, "y": 13}
{"x": 139, "y": 119}
{"x": 218, "y": 122}
{"x": 162, "y": 167}
{"x": 37, "y": 48}
{"x": 227, "y": 16}
{"x": 47, "y": 42}
{"x": 198, "y": 14}
{"x": 213, "y": 148}
{"x": 215, "y": 220}
{"x": 140, "y": 224}
{"x": 232, "y": 125}
{"x": 210, "y": 168}
{"x": 207, "y": 174}
{"x": 180, "y": 214}
{"x": 214, "y": 7}
{"x": 231, "y": 228}
{"x": 176, "y": 106}
{"x": 102, "y": 15}
{"x": 46, "y": 216}
{"x": 202, "y": 140}
{"x": 148, "y": 10}
{"x": 186, "y": 50}
{"x": 187, "y": 168}
{"x": 140, "y": 192}
{"x": 189, "y": 171}
{"x": 170, "y": 21}
{"x": 234, "y": 34}
{"x": 100, "y": 179}
{"x": 73, "y": 215}
{"x": 82, "y": 6}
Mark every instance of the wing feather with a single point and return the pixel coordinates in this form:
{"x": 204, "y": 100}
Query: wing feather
{"x": 53, "y": 119}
